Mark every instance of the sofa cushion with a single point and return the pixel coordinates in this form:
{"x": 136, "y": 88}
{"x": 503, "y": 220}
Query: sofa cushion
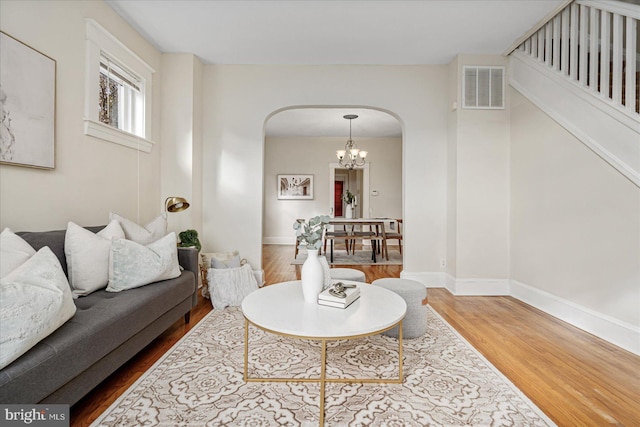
{"x": 87, "y": 256}
{"x": 53, "y": 239}
{"x": 35, "y": 300}
{"x": 103, "y": 321}
{"x": 151, "y": 232}
{"x": 14, "y": 251}
{"x": 132, "y": 265}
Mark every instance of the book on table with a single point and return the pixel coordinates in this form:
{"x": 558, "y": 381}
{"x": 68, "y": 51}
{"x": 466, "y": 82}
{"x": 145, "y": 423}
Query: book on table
{"x": 336, "y": 304}
{"x": 351, "y": 294}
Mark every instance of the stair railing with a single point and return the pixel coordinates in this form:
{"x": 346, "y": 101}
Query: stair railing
{"x": 595, "y": 44}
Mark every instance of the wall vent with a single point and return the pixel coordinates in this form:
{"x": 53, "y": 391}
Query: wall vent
{"x": 483, "y": 87}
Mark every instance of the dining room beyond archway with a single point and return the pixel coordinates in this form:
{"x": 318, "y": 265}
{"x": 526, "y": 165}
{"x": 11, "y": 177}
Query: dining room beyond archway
{"x": 304, "y": 141}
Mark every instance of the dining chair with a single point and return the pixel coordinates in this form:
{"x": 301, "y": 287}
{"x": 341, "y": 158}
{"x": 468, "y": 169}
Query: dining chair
{"x": 395, "y": 235}
{"x": 334, "y": 235}
{"x": 373, "y": 231}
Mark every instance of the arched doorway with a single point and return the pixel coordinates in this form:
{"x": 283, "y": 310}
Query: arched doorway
{"x": 304, "y": 140}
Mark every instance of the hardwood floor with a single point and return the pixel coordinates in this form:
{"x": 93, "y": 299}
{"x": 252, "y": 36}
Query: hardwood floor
{"x": 574, "y": 377}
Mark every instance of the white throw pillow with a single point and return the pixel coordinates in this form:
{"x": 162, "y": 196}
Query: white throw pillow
{"x": 14, "y": 251}
{"x": 35, "y": 300}
{"x": 233, "y": 262}
{"x": 224, "y": 257}
{"x": 151, "y": 232}
{"x": 88, "y": 256}
{"x": 132, "y": 265}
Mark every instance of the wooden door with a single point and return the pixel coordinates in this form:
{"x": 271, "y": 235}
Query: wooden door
{"x": 338, "y": 188}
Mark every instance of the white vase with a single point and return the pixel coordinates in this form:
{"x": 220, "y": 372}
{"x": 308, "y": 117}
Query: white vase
{"x": 349, "y": 212}
{"x": 312, "y": 275}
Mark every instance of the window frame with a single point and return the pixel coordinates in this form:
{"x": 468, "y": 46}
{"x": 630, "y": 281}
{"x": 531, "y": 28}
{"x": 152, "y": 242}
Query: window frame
{"x": 99, "y": 43}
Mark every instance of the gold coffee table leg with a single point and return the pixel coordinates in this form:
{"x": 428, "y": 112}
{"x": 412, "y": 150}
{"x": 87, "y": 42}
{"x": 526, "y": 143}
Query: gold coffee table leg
{"x": 246, "y": 349}
{"x": 323, "y": 377}
{"x": 400, "y": 352}
{"x": 323, "y": 380}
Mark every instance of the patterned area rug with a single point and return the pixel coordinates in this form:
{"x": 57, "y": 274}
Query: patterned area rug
{"x": 199, "y": 382}
{"x": 361, "y": 257}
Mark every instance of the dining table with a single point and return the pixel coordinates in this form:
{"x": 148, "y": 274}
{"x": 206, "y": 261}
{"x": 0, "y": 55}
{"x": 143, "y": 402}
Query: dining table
{"x": 376, "y": 235}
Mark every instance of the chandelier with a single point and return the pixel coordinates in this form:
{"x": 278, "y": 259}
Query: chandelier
{"x": 351, "y": 157}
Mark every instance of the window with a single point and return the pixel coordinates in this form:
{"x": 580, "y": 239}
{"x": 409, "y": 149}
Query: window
{"x": 118, "y": 91}
{"x": 120, "y": 98}
{"x": 483, "y": 87}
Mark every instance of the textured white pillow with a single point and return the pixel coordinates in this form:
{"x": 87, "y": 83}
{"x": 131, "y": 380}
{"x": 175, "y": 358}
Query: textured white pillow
{"x": 35, "y": 300}
{"x": 208, "y": 257}
{"x": 14, "y": 251}
{"x": 233, "y": 262}
{"x": 88, "y": 256}
{"x": 151, "y": 232}
{"x": 132, "y": 265}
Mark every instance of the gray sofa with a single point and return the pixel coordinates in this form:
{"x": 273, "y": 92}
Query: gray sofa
{"x": 105, "y": 332}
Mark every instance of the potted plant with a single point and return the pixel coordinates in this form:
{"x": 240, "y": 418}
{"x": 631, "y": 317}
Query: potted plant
{"x": 189, "y": 238}
{"x": 309, "y": 235}
{"x": 349, "y": 199}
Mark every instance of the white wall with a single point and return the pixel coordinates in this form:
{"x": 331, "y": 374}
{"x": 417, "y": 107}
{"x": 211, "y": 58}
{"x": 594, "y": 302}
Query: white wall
{"x": 452, "y": 171}
{"x": 181, "y": 130}
{"x": 306, "y": 155}
{"x": 575, "y": 220}
{"x": 478, "y": 207}
{"x": 238, "y": 101}
{"x": 91, "y": 176}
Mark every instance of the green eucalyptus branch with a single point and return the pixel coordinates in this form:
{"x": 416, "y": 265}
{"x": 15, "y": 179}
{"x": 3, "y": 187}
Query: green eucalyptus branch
{"x": 309, "y": 233}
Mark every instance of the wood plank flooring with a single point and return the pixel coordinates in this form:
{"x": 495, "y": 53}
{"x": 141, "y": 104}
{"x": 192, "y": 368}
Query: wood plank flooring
{"x": 574, "y": 377}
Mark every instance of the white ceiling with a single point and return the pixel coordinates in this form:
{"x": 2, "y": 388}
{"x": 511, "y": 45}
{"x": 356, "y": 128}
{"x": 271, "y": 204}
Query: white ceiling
{"x": 332, "y": 32}
{"x": 392, "y": 32}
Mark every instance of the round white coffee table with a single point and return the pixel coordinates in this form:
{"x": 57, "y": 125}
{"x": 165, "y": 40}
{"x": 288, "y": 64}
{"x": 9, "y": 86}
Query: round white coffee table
{"x": 281, "y": 309}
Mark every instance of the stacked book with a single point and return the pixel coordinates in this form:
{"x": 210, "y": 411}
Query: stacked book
{"x": 330, "y": 299}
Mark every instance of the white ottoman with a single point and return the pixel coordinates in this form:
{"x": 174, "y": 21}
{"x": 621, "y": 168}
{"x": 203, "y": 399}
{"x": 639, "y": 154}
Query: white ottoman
{"x": 414, "y": 294}
{"x": 347, "y": 274}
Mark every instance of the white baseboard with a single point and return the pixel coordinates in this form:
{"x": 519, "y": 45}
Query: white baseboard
{"x": 622, "y": 334}
{"x": 429, "y": 279}
{"x": 279, "y": 240}
{"x": 478, "y": 287}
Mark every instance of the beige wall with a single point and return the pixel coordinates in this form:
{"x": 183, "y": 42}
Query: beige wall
{"x": 239, "y": 100}
{"x": 575, "y": 220}
{"x": 181, "y": 129}
{"x": 478, "y": 189}
{"x": 313, "y": 156}
{"x": 91, "y": 176}
{"x": 452, "y": 171}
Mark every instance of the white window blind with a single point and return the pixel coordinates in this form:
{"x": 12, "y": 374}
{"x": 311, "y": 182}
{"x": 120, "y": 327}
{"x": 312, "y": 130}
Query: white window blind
{"x": 120, "y": 99}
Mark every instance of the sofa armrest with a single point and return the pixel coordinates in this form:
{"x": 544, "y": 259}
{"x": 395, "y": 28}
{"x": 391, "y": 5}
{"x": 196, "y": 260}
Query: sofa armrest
{"x": 188, "y": 259}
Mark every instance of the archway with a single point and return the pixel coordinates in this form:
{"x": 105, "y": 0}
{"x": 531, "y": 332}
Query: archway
{"x": 309, "y": 148}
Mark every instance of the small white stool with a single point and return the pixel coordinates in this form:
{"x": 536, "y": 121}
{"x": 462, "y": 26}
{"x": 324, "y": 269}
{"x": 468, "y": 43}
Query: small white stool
{"x": 347, "y": 274}
{"x": 414, "y": 294}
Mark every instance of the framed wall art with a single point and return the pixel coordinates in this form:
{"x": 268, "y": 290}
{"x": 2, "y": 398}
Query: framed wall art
{"x": 27, "y": 105}
{"x": 295, "y": 187}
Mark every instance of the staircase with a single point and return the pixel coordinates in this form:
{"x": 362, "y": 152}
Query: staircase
{"x": 581, "y": 66}
{"x": 596, "y": 45}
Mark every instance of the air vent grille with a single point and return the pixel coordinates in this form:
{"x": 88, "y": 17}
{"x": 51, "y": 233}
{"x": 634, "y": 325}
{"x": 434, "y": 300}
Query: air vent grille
{"x": 483, "y": 87}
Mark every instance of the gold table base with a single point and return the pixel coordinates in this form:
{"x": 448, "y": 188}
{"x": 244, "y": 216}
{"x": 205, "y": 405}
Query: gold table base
{"x": 323, "y": 379}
